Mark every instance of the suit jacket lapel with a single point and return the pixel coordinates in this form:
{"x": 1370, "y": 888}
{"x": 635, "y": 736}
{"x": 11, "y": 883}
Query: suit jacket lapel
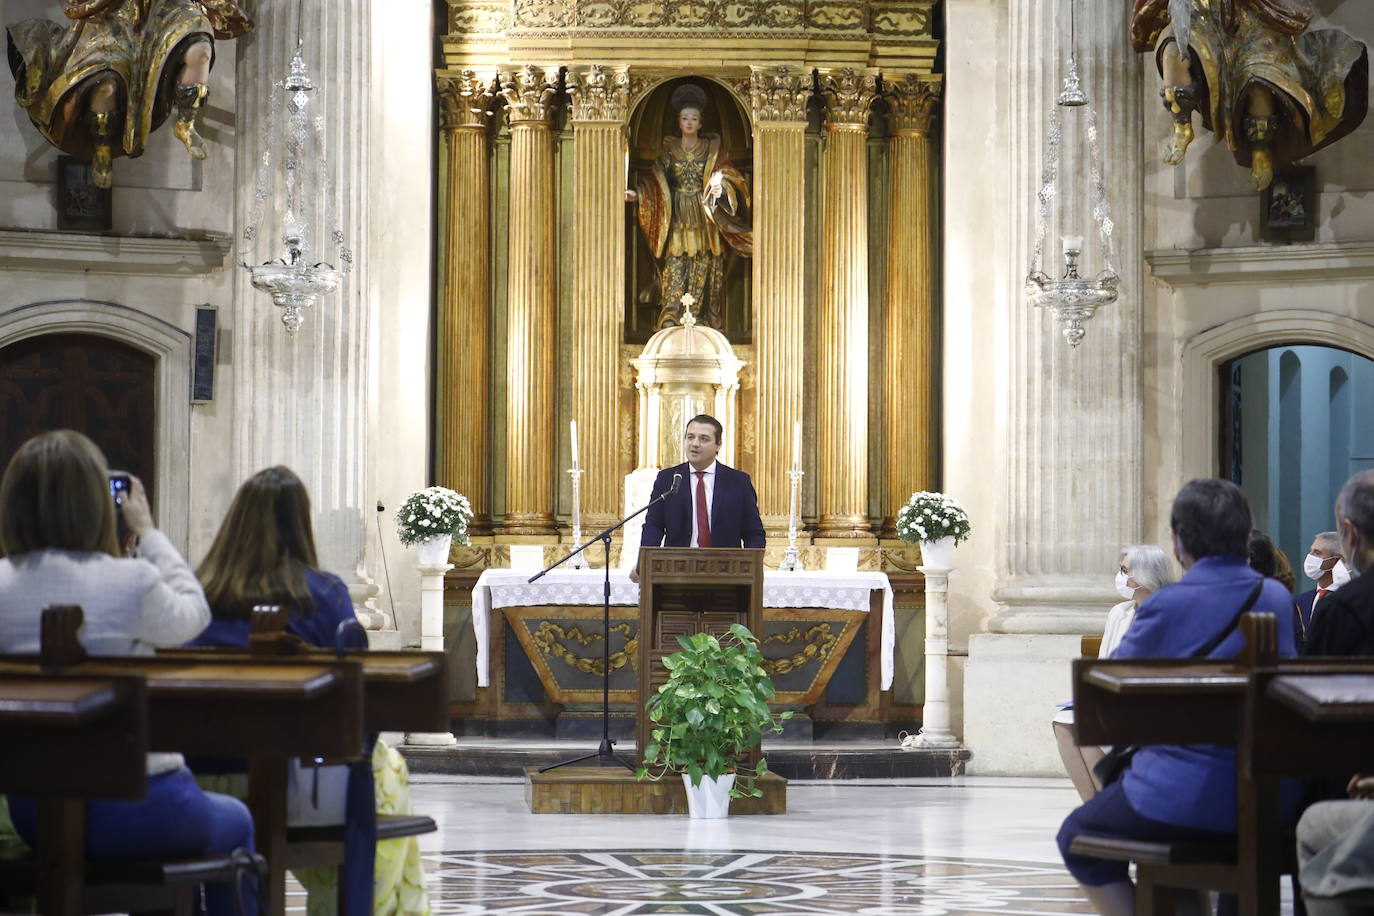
{"x": 717, "y": 494}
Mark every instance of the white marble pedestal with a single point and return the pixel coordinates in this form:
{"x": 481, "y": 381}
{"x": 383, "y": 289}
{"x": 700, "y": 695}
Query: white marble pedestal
{"x": 432, "y": 638}
{"x": 1012, "y": 685}
{"x": 935, "y": 719}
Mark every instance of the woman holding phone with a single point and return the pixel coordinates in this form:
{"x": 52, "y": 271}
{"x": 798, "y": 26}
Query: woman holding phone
{"x": 57, "y": 536}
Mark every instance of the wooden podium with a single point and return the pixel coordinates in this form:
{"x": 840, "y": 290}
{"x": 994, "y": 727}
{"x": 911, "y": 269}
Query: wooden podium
{"x": 688, "y": 590}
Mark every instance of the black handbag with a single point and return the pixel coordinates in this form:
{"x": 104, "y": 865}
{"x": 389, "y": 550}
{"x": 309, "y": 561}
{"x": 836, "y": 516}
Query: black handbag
{"x": 1109, "y": 769}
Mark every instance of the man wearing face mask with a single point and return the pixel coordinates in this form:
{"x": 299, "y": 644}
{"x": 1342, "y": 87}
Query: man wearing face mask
{"x": 1324, "y": 565}
{"x": 1345, "y": 622}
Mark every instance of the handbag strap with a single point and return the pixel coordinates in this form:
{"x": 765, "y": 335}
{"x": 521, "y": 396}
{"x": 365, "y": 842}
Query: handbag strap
{"x": 1235, "y": 622}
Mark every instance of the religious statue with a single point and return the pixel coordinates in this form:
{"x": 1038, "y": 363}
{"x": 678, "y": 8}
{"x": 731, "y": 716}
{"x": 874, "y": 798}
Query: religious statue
{"x": 1273, "y": 88}
{"x": 118, "y": 70}
{"x": 693, "y": 210}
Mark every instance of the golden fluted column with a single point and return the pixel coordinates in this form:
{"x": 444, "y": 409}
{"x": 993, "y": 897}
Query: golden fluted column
{"x": 910, "y": 361}
{"x": 530, "y": 302}
{"x": 464, "y": 304}
{"x": 600, "y": 105}
{"x": 842, "y": 382}
{"x": 778, "y": 97}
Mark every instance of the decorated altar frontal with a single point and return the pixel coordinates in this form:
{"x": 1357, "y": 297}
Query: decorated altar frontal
{"x": 812, "y": 619}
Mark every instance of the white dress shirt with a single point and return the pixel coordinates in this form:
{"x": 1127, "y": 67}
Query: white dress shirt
{"x": 709, "y": 479}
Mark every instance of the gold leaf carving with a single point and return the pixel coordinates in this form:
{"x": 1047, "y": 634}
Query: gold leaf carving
{"x": 479, "y": 17}
{"x": 835, "y": 15}
{"x": 465, "y": 99}
{"x": 900, "y": 20}
{"x": 911, "y": 102}
{"x": 779, "y": 93}
{"x": 599, "y": 93}
{"x": 819, "y": 643}
{"x": 848, "y": 96}
{"x": 529, "y": 93}
{"x": 546, "y": 640}
{"x": 543, "y": 14}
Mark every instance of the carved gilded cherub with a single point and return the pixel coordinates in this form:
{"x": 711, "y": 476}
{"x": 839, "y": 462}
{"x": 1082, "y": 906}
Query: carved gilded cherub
{"x": 1273, "y": 88}
{"x": 117, "y": 70}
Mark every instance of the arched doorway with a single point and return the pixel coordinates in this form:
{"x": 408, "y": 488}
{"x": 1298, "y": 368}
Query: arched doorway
{"x": 1294, "y": 426}
{"x": 95, "y": 385}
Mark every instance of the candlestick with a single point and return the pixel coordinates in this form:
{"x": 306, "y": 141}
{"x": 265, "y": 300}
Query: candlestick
{"x": 572, "y": 431}
{"x": 579, "y": 561}
{"x": 790, "y": 559}
{"x": 796, "y": 446}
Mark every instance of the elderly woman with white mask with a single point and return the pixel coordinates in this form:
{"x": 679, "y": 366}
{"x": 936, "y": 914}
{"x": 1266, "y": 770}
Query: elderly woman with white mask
{"x": 1144, "y": 570}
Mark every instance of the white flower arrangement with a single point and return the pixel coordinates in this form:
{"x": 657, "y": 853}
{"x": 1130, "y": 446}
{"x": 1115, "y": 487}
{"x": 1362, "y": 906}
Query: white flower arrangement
{"x": 433, "y": 511}
{"x": 931, "y": 516}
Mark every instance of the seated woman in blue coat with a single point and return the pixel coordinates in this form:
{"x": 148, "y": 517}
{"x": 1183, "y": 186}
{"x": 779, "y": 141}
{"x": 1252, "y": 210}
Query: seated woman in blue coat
{"x": 1182, "y": 793}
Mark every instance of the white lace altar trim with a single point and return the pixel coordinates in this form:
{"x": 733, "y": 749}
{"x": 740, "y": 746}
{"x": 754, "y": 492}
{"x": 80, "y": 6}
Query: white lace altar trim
{"x": 500, "y": 588}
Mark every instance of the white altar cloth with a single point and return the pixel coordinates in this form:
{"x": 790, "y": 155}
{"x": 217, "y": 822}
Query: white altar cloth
{"x": 849, "y": 591}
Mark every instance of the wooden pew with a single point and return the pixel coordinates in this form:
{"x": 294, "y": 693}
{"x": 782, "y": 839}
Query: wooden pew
{"x": 403, "y": 691}
{"x": 1190, "y": 701}
{"x": 266, "y": 709}
{"x": 51, "y": 727}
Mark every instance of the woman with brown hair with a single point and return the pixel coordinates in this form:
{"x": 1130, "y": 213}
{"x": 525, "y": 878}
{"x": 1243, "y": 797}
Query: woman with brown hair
{"x": 265, "y": 554}
{"x": 57, "y": 534}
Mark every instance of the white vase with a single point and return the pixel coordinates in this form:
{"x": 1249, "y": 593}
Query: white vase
{"x": 434, "y": 551}
{"x": 711, "y": 798}
{"x": 938, "y": 554}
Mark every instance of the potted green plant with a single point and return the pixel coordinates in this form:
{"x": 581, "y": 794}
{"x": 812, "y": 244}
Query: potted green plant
{"x": 938, "y": 523}
{"x": 708, "y": 717}
{"x": 432, "y": 519}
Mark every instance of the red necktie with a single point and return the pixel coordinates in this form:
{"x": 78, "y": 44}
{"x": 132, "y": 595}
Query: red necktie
{"x": 703, "y": 514}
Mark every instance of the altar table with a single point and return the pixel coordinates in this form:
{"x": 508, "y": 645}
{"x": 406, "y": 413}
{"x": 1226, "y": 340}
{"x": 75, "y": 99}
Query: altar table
{"x": 503, "y": 588}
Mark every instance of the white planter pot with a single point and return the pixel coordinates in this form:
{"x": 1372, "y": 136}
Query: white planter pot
{"x": 711, "y": 798}
{"x": 939, "y": 554}
{"x": 434, "y": 551}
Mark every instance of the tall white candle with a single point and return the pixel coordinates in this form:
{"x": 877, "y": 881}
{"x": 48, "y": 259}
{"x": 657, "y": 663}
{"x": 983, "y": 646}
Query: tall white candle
{"x": 796, "y": 446}
{"x": 572, "y": 431}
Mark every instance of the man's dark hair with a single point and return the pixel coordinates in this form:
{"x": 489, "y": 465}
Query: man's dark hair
{"x": 709, "y": 421}
{"x": 1211, "y": 517}
{"x": 1356, "y": 503}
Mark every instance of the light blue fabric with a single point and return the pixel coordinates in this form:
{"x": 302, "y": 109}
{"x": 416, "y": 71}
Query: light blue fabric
{"x": 1195, "y": 785}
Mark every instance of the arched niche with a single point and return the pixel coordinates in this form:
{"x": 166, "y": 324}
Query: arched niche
{"x": 1204, "y": 354}
{"x": 170, "y": 347}
{"x": 652, "y": 118}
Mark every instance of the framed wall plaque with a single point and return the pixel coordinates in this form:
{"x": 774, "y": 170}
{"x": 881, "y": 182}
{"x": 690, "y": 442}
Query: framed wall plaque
{"x": 80, "y": 204}
{"x": 1288, "y": 207}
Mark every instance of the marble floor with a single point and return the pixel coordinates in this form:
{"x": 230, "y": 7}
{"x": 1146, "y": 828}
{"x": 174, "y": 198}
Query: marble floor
{"x": 913, "y": 847}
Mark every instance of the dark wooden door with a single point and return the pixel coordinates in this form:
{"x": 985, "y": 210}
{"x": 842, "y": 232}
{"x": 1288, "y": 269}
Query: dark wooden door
{"x": 95, "y": 385}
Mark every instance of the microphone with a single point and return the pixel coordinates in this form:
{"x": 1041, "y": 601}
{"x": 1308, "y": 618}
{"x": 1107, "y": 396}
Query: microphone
{"x": 677, "y": 482}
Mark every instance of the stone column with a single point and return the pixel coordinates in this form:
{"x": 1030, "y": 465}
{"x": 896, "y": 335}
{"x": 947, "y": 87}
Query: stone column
{"x": 432, "y": 638}
{"x": 935, "y": 718}
{"x": 911, "y": 344}
{"x": 533, "y": 276}
{"x": 778, "y": 97}
{"x": 842, "y": 383}
{"x": 600, "y": 104}
{"x": 1075, "y": 415}
{"x": 464, "y": 304}
{"x": 303, "y": 400}
{"x": 1064, "y": 493}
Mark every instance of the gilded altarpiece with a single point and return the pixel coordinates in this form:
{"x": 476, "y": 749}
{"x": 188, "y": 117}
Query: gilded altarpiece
{"x": 551, "y": 111}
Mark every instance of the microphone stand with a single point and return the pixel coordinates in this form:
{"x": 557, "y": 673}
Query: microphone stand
{"x": 605, "y": 753}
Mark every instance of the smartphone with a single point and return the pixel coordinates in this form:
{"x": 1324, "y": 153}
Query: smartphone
{"x": 119, "y": 487}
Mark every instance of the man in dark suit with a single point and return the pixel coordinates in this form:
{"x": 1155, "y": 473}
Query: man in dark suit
{"x": 1344, "y": 624}
{"x": 1325, "y": 565}
{"x": 715, "y": 505}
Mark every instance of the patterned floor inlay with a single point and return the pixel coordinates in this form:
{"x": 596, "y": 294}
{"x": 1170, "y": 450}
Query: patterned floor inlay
{"x": 648, "y": 882}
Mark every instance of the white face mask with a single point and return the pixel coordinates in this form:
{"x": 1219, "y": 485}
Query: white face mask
{"x": 1312, "y": 569}
{"x": 1122, "y": 589}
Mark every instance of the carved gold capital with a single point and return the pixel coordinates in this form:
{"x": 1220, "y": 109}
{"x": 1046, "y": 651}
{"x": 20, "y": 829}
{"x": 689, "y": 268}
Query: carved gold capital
{"x": 600, "y": 93}
{"x": 529, "y": 93}
{"x": 849, "y": 95}
{"x": 911, "y": 102}
{"x": 779, "y": 93}
{"x": 465, "y": 99}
